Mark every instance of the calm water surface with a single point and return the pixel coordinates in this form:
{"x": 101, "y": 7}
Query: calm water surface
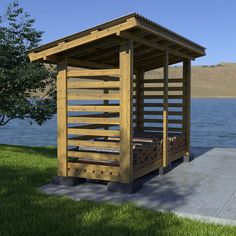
{"x": 213, "y": 125}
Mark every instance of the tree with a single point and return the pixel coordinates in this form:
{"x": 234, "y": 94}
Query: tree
{"x": 27, "y": 90}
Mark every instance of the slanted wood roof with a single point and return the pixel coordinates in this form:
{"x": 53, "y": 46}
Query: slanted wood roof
{"x": 98, "y": 47}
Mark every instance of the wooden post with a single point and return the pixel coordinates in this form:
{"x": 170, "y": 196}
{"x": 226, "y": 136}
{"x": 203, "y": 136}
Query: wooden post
{"x": 165, "y": 110}
{"x": 187, "y": 103}
{"x": 62, "y": 119}
{"x": 140, "y": 100}
{"x": 126, "y": 111}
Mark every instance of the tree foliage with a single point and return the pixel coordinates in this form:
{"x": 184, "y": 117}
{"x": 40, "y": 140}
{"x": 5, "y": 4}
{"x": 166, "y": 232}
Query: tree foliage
{"x": 27, "y": 90}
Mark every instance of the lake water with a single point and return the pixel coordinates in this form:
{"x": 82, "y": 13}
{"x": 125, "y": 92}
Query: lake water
{"x": 213, "y": 124}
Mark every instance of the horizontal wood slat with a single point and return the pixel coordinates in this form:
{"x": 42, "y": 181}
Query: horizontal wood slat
{"x": 91, "y": 171}
{"x": 87, "y": 96}
{"x": 153, "y": 81}
{"x": 160, "y": 89}
{"x": 173, "y": 113}
{"x": 98, "y": 156}
{"x": 94, "y": 132}
{"x": 171, "y": 121}
{"x": 87, "y": 73}
{"x": 161, "y": 128}
{"x": 161, "y": 96}
{"x": 94, "y": 108}
{"x": 88, "y": 120}
{"x": 161, "y": 105}
{"x": 92, "y": 85}
{"x": 94, "y": 144}
{"x": 147, "y": 169}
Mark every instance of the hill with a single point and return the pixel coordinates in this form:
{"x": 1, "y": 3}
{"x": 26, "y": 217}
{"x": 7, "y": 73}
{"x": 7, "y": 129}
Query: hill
{"x": 207, "y": 81}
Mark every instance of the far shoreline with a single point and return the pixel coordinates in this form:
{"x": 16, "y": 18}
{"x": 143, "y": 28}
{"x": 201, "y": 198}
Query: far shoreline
{"x": 214, "y": 97}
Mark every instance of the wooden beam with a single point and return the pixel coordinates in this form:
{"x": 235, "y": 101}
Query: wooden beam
{"x": 91, "y": 171}
{"x": 92, "y": 85}
{"x": 187, "y": 103}
{"x": 165, "y": 110}
{"x": 156, "y": 45}
{"x": 92, "y": 108}
{"x": 88, "y": 73}
{"x": 83, "y": 40}
{"x": 88, "y": 64}
{"x": 94, "y": 144}
{"x": 94, "y": 155}
{"x": 94, "y": 132}
{"x": 126, "y": 114}
{"x": 94, "y": 96}
{"x": 139, "y": 99}
{"x": 89, "y": 120}
{"x": 62, "y": 119}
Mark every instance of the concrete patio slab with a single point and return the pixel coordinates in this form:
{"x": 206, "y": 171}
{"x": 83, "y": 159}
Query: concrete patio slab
{"x": 204, "y": 189}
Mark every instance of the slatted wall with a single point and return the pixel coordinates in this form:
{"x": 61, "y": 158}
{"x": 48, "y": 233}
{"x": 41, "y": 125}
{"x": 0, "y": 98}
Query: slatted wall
{"x": 93, "y": 109}
{"x": 152, "y": 112}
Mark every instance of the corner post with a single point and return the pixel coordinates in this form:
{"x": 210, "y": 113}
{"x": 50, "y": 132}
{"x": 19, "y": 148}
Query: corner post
{"x": 165, "y": 110}
{"x": 187, "y": 105}
{"x": 126, "y": 111}
{"x": 62, "y": 118}
{"x": 140, "y": 100}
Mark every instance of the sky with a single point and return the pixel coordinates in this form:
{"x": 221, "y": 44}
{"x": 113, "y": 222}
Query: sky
{"x": 210, "y": 23}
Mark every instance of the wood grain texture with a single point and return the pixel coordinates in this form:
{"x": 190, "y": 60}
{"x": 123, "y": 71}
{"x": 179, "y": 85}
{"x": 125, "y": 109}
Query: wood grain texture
{"x": 187, "y": 103}
{"x": 62, "y": 119}
{"x": 165, "y": 110}
{"x": 126, "y": 115}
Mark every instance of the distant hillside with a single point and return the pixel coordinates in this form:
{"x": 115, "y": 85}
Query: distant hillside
{"x": 207, "y": 81}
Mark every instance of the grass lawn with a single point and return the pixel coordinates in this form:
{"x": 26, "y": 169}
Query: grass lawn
{"x": 24, "y": 210}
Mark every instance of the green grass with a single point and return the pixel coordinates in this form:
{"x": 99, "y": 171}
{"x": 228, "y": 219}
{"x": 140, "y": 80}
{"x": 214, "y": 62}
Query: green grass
{"x": 24, "y": 210}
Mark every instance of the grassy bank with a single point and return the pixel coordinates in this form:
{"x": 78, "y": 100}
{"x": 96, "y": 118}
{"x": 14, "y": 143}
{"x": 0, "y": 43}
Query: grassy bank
{"x": 24, "y": 210}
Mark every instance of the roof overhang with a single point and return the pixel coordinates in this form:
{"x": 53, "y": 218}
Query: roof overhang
{"x": 98, "y": 47}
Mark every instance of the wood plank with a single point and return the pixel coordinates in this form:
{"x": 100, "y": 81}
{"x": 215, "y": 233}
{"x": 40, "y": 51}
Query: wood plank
{"x": 156, "y": 45}
{"x": 88, "y": 73}
{"x": 94, "y": 96}
{"x": 98, "y": 115}
{"x": 88, "y": 64}
{"x": 170, "y": 121}
{"x": 154, "y": 81}
{"x": 89, "y": 120}
{"x": 94, "y": 144}
{"x": 126, "y": 116}
{"x": 98, "y": 156}
{"x": 160, "y": 89}
{"x": 90, "y": 171}
{"x": 187, "y": 103}
{"x": 62, "y": 119}
{"x": 162, "y": 104}
{"x": 84, "y": 108}
{"x": 139, "y": 99}
{"x": 147, "y": 169}
{"x": 173, "y": 113}
{"x": 34, "y": 56}
{"x": 165, "y": 109}
{"x": 94, "y": 132}
{"x": 92, "y": 85}
{"x": 176, "y": 156}
{"x": 161, "y": 96}
{"x": 161, "y": 129}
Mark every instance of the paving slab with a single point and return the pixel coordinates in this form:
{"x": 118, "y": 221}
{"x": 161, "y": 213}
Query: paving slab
{"x": 204, "y": 189}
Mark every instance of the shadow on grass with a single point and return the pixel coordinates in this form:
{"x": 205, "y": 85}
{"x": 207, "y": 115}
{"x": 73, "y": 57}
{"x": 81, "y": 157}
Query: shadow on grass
{"x": 50, "y": 152}
{"x": 26, "y": 211}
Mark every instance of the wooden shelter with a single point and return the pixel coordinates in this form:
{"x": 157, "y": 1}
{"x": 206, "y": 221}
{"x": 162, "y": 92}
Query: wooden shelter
{"x": 112, "y": 125}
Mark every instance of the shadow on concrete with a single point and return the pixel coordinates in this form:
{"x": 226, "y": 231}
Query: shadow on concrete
{"x": 26, "y": 211}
